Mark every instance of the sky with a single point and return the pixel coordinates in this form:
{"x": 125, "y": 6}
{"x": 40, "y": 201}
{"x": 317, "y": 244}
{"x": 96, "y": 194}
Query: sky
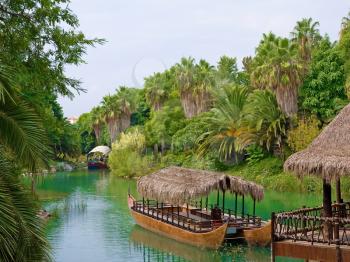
{"x": 147, "y": 36}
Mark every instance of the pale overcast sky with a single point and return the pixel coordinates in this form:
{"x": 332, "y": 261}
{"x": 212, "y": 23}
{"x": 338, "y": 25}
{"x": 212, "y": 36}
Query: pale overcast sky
{"x": 146, "y": 36}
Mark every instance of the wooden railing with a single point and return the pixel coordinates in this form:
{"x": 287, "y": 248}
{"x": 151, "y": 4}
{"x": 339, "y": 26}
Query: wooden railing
{"x": 171, "y": 214}
{"x": 308, "y": 224}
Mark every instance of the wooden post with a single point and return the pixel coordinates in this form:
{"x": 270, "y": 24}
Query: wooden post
{"x": 272, "y": 236}
{"x": 172, "y": 214}
{"x": 188, "y": 213}
{"x": 217, "y": 198}
{"x": 223, "y": 202}
{"x": 157, "y": 209}
{"x": 327, "y": 207}
{"x": 147, "y": 206}
{"x": 235, "y": 205}
{"x": 242, "y": 206}
{"x": 201, "y": 204}
{"x": 143, "y": 205}
{"x": 206, "y": 203}
{"x": 254, "y": 211}
{"x": 178, "y": 215}
{"x": 338, "y": 190}
{"x": 161, "y": 207}
{"x": 336, "y": 239}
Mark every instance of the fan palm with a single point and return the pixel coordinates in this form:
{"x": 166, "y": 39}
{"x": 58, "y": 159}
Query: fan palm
{"x": 262, "y": 121}
{"x": 194, "y": 83}
{"x": 126, "y": 100}
{"x": 111, "y": 112}
{"x": 156, "y": 90}
{"x": 306, "y": 35}
{"x": 278, "y": 68}
{"x": 223, "y": 124}
{"x": 97, "y": 119}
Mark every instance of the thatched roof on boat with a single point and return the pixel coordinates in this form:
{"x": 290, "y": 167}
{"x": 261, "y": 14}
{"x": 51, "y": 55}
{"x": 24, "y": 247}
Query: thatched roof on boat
{"x": 328, "y": 156}
{"x": 100, "y": 149}
{"x": 178, "y": 185}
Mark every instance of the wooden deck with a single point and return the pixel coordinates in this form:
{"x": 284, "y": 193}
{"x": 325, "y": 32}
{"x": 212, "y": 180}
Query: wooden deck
{"x": 306, "y": 234}
{"x": 305, "y": 250}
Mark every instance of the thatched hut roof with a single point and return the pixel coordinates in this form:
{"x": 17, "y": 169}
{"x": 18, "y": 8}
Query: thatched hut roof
{"x": 179, "y": 185}
{"x": 328, "y": 156}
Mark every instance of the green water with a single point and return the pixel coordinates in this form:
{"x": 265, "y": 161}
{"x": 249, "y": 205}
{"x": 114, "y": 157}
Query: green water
{"x": 92, "y": 223}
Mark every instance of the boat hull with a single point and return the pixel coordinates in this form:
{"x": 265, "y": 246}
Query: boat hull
{"x": 212, "y": 239}
{"x": 259, "y": 236}
{"x": 97, "y": 165}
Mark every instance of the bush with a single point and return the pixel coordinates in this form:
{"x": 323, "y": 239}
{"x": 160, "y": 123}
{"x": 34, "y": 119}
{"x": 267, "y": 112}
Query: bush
{"x": 255, "y": 154}
{"x": 128, "y": 163}
{"x": 301, "y": 136}
{"x": 126, "y": 159}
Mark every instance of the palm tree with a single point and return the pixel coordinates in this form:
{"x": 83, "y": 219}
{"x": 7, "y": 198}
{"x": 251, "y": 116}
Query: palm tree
{"x": 156, "y": 90}
{"x": 23, "y": 143}
{"x": 194, "y": 83}
{"x": 306, "y": 35}
{"x": 262, "y": 122}
{"x": 126, "y": 100}
{"x": 227, "y": 69}
{"x": 111, "y": 112}
{"x": 97, "y": 119}
{"x": 223, "y": 125}
{"x": 278, "y": 68}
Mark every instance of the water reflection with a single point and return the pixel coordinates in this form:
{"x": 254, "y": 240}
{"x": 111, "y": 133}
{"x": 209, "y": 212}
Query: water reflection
{"x": 94, "y": 224}
{"x": 150, "y": 244}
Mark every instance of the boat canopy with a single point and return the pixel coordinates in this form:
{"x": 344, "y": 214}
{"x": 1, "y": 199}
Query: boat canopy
{"x": 100, "y": 149}
{"x": 177, "y": 185}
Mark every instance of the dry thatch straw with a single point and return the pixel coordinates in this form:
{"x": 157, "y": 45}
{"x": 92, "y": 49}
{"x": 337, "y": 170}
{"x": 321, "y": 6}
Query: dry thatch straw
{"x": 328, "y": 156}
{"x": 178, "y": 185}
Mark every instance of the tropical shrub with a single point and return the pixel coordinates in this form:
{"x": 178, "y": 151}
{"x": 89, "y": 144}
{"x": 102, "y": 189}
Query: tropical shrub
{"x": 301, "y": 136}
{"x": 126, "y": 157}
{"x": 255, "y": 153}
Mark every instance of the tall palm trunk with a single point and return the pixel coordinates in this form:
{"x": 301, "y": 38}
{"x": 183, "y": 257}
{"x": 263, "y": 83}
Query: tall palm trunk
{"x": 287, "y": 99}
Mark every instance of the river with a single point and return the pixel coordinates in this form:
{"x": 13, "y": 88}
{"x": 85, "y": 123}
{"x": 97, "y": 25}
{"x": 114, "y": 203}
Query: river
{"x": 91, "y": 222}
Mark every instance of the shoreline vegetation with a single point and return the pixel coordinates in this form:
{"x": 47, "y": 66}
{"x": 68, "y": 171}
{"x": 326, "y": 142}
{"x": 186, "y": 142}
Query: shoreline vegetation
{"x": 218, "y": 117}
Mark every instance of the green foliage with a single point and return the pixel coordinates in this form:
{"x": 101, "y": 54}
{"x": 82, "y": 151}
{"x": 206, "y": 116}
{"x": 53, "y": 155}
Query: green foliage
{"x": 128, "y": 163}
{"x": 126, "y": 159}
{"x": 39, "y": 40}
{"x": 301, "y": 136}
{"x": 85, "y": 131}
{"x": 323, "y": 92}
{"x": 186, "y": 138}
{"x": 255, "y": 154}
{"x": 223, "y": 123}
{"x": 22, "y": 232}
{"x": 262, "y": 122}
{"x": 269, "y": 173}
{"x": 344, "y": 45}
{"x": 165, "y": 123}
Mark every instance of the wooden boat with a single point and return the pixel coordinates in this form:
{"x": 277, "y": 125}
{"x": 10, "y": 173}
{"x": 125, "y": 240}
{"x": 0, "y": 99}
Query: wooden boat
{"x": 173, "y": 215}
{"x": 258, "y": 236}
{"x": 97, "y": 158}
{"x": 211, "y": 239}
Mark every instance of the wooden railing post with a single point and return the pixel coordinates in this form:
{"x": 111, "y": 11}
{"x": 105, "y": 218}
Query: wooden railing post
{"x": 273, "y": 218}
{"x": 336, "y": 238}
